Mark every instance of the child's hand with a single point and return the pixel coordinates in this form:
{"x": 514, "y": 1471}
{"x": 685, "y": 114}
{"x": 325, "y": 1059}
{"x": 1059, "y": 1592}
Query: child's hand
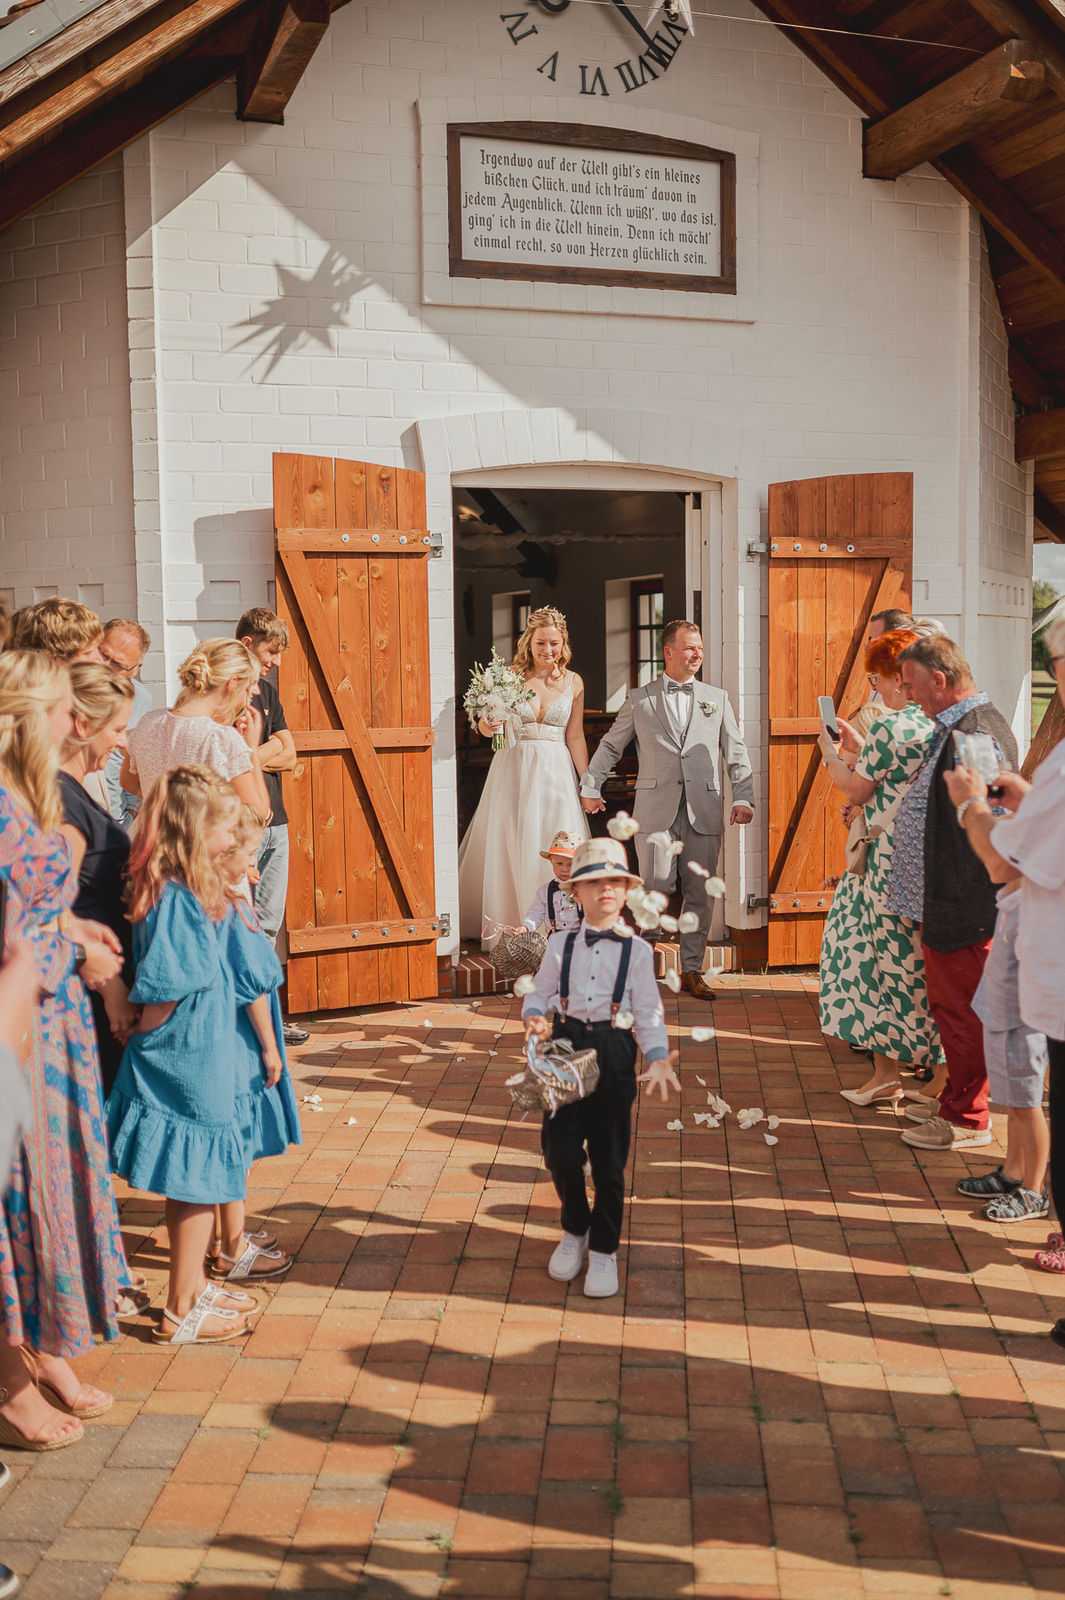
{"x": 272, "y": 1065}
{"x": 253, "y": 875}
{"x": 660, "y": 1075}
{"x": 540, "y": 1028}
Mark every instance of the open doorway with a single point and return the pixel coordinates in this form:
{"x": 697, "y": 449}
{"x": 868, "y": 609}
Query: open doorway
{"x": 613, "y": 561}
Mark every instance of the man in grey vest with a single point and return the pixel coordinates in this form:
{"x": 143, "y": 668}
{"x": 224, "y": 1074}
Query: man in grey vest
{"x": 680, "y": 726}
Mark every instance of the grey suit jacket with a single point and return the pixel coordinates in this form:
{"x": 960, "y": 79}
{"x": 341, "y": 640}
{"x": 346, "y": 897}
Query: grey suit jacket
{"x": 669, "y": 769}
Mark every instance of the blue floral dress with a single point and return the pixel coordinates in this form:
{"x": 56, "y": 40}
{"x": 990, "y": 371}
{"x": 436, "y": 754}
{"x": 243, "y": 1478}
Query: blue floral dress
{"x": 172, "y": 1114}
{"x": 269, "y": 1119}
{"x": 62, "y": 1265}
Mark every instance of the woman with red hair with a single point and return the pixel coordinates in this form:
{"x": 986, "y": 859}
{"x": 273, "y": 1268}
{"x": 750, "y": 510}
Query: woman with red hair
{"x": 872, "y": 972}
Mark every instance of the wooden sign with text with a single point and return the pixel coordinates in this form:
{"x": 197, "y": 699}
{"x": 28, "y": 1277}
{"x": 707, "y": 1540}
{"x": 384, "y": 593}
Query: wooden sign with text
{"x": 566, "y": 203}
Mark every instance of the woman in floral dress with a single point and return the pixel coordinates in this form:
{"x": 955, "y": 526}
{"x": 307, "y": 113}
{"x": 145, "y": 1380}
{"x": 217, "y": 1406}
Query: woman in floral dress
{"x": 62, "y": 1265}
{"x": 872, "y": 972}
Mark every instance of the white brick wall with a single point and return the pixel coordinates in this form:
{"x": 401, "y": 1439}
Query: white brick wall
{"x": 275, "y": 281}
{"x": 66, "y": 488}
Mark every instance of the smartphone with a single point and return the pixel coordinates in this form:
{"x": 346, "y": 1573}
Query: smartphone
{"x": 826, "y": 710}
{"x": 976, "y": 752}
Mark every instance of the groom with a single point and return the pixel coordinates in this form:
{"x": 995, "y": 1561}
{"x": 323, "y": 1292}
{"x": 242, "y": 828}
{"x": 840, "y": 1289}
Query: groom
{"x": 679, "y": 725}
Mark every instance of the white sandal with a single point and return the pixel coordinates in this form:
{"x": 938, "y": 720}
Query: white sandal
{"x": 187, "y": 1328}
{"x": 275, "y": 1264}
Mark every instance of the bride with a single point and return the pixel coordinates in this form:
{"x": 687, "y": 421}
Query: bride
{"x": 531, "y": 792}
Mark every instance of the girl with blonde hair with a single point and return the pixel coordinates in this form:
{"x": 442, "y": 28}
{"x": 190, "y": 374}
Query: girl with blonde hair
{"x": 62, "y": 1267}
{"x": 172, "y": 1114}
{"x": 531, "y": 791}
{"x": 102, "y": 704}
{"x": 217, "y": 679}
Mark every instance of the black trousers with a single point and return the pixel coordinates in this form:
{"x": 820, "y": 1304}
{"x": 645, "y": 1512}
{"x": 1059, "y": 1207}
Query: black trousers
{"x": 1056, "y": 1049}
{"x": 603, "y": 1124}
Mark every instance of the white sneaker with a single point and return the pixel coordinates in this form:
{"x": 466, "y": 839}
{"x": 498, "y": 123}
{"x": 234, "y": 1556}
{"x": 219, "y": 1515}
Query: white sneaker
{"x": 568, "y": 1257}
{"x": 601, "y": 1279}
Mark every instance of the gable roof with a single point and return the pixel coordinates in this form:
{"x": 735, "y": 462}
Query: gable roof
{"x": 975, "y": 86}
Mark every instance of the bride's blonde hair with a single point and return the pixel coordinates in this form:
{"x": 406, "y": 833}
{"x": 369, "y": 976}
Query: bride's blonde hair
{"x": 545, "y": 617}
{"x": 31, "y": 686}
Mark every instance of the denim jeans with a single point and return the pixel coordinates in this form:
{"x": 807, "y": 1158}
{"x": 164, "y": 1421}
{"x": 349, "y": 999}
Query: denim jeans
{"x": 272, "y": 886}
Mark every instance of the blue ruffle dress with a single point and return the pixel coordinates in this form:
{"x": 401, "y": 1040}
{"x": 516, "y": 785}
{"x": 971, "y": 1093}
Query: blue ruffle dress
{"x": 268, "y": 1119}
{"x": 172, "y": 1114}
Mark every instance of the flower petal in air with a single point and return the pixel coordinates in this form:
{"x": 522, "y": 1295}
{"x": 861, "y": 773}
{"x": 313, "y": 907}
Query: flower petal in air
{"x": 657, "y": 900}
{"x": 668, "y": 922}
{"x": 623, "y": 826}
{"x": 715, "y": 888}
{"x": 660, "y": 840}
{"x": 701, "y": 1035}
{"x": 524, "y": 985}
{"x": 676, "y": 847}
{"x": 672, "y": 981}
{"x": 700, "y": 871}
{"x": 687, "y": 922}
{"x": 624, "y": 1019}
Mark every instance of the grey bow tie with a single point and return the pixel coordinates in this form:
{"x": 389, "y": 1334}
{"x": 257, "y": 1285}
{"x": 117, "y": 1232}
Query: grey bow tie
{"x": 673, "y": 687}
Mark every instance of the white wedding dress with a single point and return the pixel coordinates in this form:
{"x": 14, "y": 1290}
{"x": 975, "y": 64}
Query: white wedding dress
{"x": 530, "y": 794}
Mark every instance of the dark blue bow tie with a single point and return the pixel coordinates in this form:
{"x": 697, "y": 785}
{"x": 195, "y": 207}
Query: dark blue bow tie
{"x": 673, "y": 687}
{"x": 591, "y": 935}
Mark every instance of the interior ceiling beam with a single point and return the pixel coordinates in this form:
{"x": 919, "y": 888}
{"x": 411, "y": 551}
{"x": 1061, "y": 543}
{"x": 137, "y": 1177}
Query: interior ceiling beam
{"x": 877, "y": 90}
{"x": 289, "y": 33}
{"x": 1049, "y": 518}
{"x": 1039, "y": 435}
{"x": 943, "y": 117}
{"x": 1032, "y": 387}
{"x": 120, "y": 71}
{"x": 1013, "y": 20}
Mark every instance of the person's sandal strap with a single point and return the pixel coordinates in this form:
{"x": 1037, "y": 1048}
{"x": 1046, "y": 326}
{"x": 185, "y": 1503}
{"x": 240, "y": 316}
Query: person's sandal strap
{"x": 188, "y": 1329}
{"x": 246, "y": 1264}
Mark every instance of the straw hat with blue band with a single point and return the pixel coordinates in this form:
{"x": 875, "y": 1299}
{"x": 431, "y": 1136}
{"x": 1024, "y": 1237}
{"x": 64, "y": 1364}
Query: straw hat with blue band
{"x": 601, "y": 858}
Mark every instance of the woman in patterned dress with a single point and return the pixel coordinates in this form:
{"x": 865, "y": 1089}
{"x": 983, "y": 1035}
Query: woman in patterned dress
{"x": 872, "y": 972}
{"x": 62, "y": 1266}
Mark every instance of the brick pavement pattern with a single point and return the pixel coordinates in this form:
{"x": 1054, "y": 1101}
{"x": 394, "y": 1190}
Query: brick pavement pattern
{"x": 826, "y": 1378}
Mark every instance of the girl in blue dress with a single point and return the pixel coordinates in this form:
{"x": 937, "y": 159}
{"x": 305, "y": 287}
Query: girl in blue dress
{"x": 267, "y": 1113}
{"x": 172, "y": 1112}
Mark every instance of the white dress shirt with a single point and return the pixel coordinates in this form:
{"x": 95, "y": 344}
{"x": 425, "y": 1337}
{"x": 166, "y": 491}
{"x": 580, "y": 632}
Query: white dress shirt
{"x": 592, "y": 976}
{"x": 566, "y": 912}
{"x": 1033, "y": 841}
{"x": 679, "y": 703}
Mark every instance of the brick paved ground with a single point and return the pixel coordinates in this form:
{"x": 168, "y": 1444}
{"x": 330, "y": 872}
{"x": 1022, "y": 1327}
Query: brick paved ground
{"x": 826, "y": 1378}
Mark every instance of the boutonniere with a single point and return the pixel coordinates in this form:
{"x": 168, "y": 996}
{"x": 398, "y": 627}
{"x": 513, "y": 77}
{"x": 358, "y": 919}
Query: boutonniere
{"x": 707, "y": 707}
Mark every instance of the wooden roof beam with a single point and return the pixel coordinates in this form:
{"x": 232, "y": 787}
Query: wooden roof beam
{"x": 998, "y": 205}
{"x": 280, "y": 52}
{"x": 945, "y": 116}
{"x": 1032, "y": 387}
{"x": 1040, "y": 434}
{"x": 1011, "y": 20}
{"x": 1049, "y": 518}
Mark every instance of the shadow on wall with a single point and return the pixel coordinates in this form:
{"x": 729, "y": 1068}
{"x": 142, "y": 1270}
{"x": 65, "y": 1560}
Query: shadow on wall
{"x": 286, "y": 324}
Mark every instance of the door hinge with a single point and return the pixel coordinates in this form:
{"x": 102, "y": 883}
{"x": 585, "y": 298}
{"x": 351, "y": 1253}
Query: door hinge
{"x": 755, "y": 902}
{"x": 435, "y": 541}
{"x": 444, "y": 919}
{"x": 756, "y": 547}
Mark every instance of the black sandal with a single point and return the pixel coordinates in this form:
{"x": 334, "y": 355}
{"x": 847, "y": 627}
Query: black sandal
{"x": 924, "y": 1074}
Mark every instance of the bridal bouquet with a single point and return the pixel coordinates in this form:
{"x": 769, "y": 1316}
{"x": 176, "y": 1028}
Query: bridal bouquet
{"x": 495, "y": 693}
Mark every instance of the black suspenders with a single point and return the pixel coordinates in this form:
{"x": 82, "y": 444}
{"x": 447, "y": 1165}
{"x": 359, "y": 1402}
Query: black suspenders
{"x": 619, "y": 982}
{"x": 551, "y": 890}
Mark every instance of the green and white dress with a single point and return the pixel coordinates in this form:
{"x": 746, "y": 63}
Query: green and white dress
{"x": 872, "y": 970}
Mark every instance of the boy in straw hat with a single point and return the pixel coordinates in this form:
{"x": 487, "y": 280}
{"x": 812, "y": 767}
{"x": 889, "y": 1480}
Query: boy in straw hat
{"x": 554, "y": 904}
{"x": 600, "y": 983}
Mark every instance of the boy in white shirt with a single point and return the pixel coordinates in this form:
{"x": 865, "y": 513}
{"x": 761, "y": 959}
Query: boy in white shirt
{"x": 554, "y": 904}
{"x": 590, "y": 977}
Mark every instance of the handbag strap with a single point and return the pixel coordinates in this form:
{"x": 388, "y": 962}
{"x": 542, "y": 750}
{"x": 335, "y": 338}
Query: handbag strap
{"x": 620, "y": 980}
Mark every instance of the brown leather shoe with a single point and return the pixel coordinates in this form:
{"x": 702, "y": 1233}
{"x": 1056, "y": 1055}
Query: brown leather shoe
{"x": 693, "y": 982}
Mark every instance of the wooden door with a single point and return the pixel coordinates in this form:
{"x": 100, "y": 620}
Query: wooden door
{"x": 840, "y": 550}
{"x": 352, "y": 583}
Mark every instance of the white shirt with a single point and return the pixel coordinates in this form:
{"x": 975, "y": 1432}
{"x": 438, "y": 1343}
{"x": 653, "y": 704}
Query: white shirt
{"x": 679, "y": 705}
{"x": 566, "y": 912}
{"x": 592, "y": 975}
{"x": 1033, "y": 839}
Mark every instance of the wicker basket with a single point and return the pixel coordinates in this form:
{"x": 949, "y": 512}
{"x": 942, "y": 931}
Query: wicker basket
{"x": 514, "y": 954}
{"x": 554, "y": 1075}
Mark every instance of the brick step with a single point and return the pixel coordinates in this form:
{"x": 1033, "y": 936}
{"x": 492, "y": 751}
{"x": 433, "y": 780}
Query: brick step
{"x": 724, "y": 957}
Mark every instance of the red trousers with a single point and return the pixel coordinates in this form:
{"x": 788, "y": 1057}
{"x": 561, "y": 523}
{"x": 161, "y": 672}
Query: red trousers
{"x": 951, "y": 977}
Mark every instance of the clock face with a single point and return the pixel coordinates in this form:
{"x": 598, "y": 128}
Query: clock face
{"x": 639, "y": 39}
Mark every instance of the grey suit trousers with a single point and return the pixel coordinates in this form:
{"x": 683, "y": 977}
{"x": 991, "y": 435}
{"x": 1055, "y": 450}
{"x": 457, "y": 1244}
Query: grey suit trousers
{"x": 666, "y": 872}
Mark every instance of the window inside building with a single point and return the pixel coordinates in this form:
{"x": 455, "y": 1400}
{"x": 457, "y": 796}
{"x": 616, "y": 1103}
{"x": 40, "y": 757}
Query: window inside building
{"x": 520, "y": 606}
{"x": 647, "y": 615}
